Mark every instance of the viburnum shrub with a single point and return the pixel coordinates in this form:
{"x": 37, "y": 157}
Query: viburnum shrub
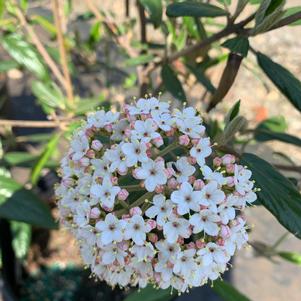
{"x": 148, "y": 199}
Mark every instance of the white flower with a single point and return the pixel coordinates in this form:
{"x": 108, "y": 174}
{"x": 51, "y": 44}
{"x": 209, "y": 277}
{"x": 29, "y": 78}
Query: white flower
{"x": 242, "y": 179}
{"x": 192, "y": 129}
{"x": 201, "y": 151}
{"x": 226, "y": 211}
{"x": 117, "y": 159}
{"x": 119, "y": 130}
{"x": 176, "y": 227}
{"x": 205, "y": 221}
{"x": 158, "y": 107}
{"x": 105, "y": 193}
{"x": 211, "y": 175}
{"x": 111, "y": 229}
{"x": 134, "y": 152}
{"x": 145, "y": 130}
{"x": 168, "y": 251}
{"x": 143, "y": 106}
{"x": 187, "y": 114}
{"x": 81, "y": 218}
{"x": 161, "y": 208}
{"x": 153, "y": 174}
{"x": 102, "y": 167}
{"x": 164, "y": 269}
{"x": 79, "y": 145}
{"x": 101, "y": 118}
{"x": 185, "y": 263}
{"x": 212, "y": 253}
{"x": 136, "y": 230}
{"x": 143, "y": 253}
{"x": 212, "y": 195}
{"x": 183, "y": 170}
{"x": 186, "y": 199}
{"x": 163, "y": 121}
{"x": 111, "y": 253}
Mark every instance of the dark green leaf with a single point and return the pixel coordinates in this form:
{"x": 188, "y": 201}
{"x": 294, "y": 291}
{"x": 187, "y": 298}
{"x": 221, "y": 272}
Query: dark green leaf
{"x": 239, "y": 45}
{"x": 154, "y": 9}
{"x": 277, "y": 193}
{"x": 20, "y": 204}
{"x": 139, "y": 60}
{"x": 8, "y": 65}
{"x": 201, "y": 77}
{"x": 234, "y": 111}
{"x": 290, "y": 11}
{"x": 228, "y": 292}
{"x": 172, "y": 83}
{"x": 194, "y": 9}
{"x": 24, "y": 54}
{"x": 285, "y": 81}
{"x": 44, "y": 158}
{"x": 291, "y": 256}
{"x": 263, "y": 135}
{"x": 151, "y": 294}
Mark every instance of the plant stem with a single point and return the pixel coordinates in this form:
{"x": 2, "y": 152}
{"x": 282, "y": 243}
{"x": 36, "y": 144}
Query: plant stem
{"x": 131, "y": 187}
{"x": 280, "y": 240}
{"x": 168, "y": 149}
{"x": 62, "y": 50}
{"x": 33, "y": 123}
{"x": 142, "y": 199}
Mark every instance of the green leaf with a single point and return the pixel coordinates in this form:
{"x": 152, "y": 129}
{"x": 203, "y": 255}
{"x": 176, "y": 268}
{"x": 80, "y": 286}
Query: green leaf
{"x": 234, "y": 126}
{"x": 45, "y": 23}
{"x": 44, "y": 158}
{"x": 201, "y": 77}
{"x": 228, "y": 292}
{"x": 194, "y": 9}
{"x": 151, "y": 294}
{"x": 284, "y": 80}
{"x": 20, "y": 204}
{"x": 291, "y": 256}
{"x": 85, "y": 105}
{"x": 275, "y": 123}
{"x": 154, "y": 9}
{"x": 24, "y": 54}
{"x": 234, "y": 111}
{"x": 8, "y": 65}
{"x": 139, "y": 60}
{"x": 239, "y": 45}
{"x": 21, "y": 238}
{"x": 277, "y": 193}
{"x": 2, "y": 7}
{"x": 95, "y": 33}
{"x": 291, "y": 11}
{"x": 49, "y": 95}
{"x": 172, "y": 83}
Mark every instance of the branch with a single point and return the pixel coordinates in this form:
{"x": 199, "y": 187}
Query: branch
{"x": 62, "y": 50}
{"x": 33, "y": 123}
{"x": 40, "y": 47}
{"x": 286, "y": 21}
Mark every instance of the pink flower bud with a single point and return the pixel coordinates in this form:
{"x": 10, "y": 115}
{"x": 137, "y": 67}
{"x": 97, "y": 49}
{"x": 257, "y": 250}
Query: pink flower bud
{"x": 184, "y": 140}
{"x": 107, "y": 208}
{"x": 220, "y": 242}
{"x": 96, "y": 145}
{"x": 84, "y": 161}
{"x": 191, "y": 160}
{"x": 217, "y": 162}
{"x": 95, "y": 213}
{"x": 125, "y": 217}
{"x": 157, "y": 277}
{"x": 122, "y": 172}
{"x": 114, "y": 180}
{"x": 200, "y": 244}
{"x": 191, "y": 245}
{"x": 160, "y": 228}
{"x": 172, "y": 183}
{"x": 123, "y": 195}
{"x": 127, "y": 132}
{"x": 159, "y": 159}
{"x": 67, "y": 182}
{"x": 225, "y": 232}
{"x": 134, "y": 173}
{"x": 230, "y": 181}
{"x": 151, "y": 223}
{"x": 169, "y": 264}
{"x": 170, "y": 133}
{"x": 90, "y": 154}
{"x": 230, "y": 168}
{"x": 228, "y": 159}
{"x": 109, "y": 127}
{"x": 144, "y": 116}
{"x": 159, "y": 189}
{"x": 149, "y": 152}
{"x": 124, "y": 245}
{"x": 191, "y": 179}
{"x": 158, "y": 141}
{"x": 180, "y": 240}
{"x": 135, "y": 211}
{"x": 195, "y": 141}
{"x": 152, "y": 237}
{"x": 169, "y": 172}
{"x": 198, "y": 184}
{"x": 89, "y": 132}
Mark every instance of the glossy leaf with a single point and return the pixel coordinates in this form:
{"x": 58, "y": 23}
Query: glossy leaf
{"x": 285, "y": 81}
{"x": 234, "y": 111}
{"x": 24, "y": 54}
{"x": 277, "y": 193}
{"x": 290, "y": 11}
{"x": 228, "y": 292}
{"x": 154, "y": 9}
{"x": 151, "y": 294}
{"x": 239, "y": 45}
{"x": 20, "y": 204}
{"x": 44, "y": 158}
{"x": 172, "y": 83}
{"x": 291, "y": 256}
{"x": 194, "y": 9}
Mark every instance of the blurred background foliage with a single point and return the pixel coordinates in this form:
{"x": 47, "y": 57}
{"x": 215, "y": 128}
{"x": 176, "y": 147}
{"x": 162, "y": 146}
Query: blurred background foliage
{"x": 162, "y": 47}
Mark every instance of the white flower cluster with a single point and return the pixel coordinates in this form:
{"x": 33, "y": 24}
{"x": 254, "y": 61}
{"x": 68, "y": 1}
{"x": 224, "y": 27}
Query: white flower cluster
{"x": 147, "y": 200}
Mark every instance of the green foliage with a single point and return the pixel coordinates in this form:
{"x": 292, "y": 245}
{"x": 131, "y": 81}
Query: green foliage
{"x": 194, "y": 9}
{"x": 290, "y": 11}
{"x": 291, "y": 257}
{"x": 154, "y": 9}
{"x": 284, "y": 80}
{"x": 277, "y": 193}
{"x": 151, "y": 294}
{"x": 21, "y": 238}
{"x": 228, "y": 292}
{"x": 8, "y": 65}
{"x": 20, "y": 204}
{"x": 233, "y": 112}
{"x": 239, "y": 45}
